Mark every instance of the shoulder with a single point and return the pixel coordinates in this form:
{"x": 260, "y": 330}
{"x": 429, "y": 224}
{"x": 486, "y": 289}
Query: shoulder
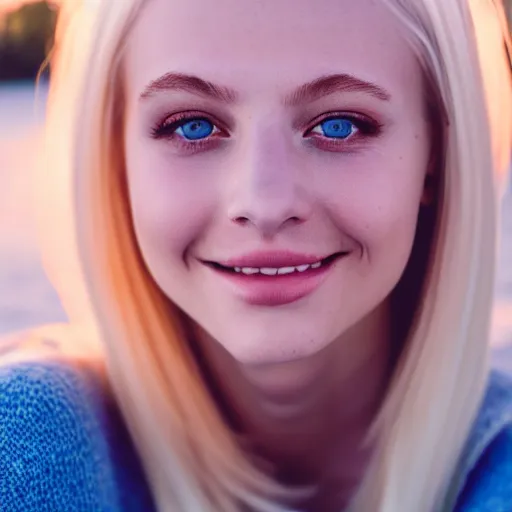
{"x": 63, "y": 443}
{"x": 52, "y": 450}
{"x": 489, "y": 484}
{"x": 488, "y": 457}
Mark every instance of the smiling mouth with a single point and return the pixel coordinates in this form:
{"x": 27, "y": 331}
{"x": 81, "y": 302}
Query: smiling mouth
{"x": 277, "y": 271}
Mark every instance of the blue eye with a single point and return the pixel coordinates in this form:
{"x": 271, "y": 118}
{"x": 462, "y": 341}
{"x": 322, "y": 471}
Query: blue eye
{"x": 336, "y": 128}
{"x": 195, "y": 129}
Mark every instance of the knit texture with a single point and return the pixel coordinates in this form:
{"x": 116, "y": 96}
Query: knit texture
{"x": 64, "y": 448}
{"x": 485, "y": 471}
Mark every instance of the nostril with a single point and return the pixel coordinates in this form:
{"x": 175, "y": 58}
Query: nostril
{"x": 241, "y": 220}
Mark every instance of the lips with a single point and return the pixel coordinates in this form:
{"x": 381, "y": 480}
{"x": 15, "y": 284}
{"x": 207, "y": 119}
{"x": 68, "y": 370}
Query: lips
{"x": 274, "y": 264}
{"x": 274, "y": 278}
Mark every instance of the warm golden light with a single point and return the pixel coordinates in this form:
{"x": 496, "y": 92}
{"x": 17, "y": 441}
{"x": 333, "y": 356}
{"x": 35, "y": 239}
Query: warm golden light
{"x": 9, "y": 5}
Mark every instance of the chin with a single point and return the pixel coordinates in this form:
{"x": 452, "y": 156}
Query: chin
{"x": 250, "y": 346}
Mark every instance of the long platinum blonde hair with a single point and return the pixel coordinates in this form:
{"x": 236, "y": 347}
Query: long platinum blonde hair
{"x": 191, "y": 459}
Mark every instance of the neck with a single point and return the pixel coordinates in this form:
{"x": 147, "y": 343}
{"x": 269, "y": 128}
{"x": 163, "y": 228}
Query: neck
{"x": 308, "y": 419}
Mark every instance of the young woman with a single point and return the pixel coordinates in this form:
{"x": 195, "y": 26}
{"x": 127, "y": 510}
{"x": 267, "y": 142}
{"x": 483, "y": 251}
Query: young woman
{"x": 285, "y": 214}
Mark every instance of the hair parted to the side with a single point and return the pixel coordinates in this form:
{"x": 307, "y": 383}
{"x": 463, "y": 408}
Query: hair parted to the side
{"x": 192, "y": 460}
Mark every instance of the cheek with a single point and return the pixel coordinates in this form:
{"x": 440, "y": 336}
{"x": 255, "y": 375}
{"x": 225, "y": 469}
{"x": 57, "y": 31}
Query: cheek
{"x": 379, "y": 209}
{"x": 170, "y": 209}
{"x": 391, "y": 213}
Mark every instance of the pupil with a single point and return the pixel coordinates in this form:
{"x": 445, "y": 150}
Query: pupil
{"x": 197, "y": 129}
{"x": 338, "y": 128}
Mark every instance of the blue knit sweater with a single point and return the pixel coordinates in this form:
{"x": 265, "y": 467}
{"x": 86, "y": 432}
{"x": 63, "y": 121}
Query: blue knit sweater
{"x": 64, "y": 448}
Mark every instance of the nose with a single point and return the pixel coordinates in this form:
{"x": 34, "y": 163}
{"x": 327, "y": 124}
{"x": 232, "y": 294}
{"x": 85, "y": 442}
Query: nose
{"x": 269, "y": 189}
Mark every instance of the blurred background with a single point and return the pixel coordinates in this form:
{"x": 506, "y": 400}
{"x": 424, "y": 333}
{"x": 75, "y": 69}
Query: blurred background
{"x": 26, "y": 297}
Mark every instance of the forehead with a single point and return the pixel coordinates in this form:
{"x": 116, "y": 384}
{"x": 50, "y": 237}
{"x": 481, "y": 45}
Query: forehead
{"x": 255, "y": 45}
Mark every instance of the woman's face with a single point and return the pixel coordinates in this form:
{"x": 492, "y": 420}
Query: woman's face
{"x": 276, "y": 153}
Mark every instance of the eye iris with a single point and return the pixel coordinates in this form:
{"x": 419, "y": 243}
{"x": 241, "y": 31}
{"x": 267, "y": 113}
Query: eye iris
{"x": 196, "y": 129}
{"x": 337, "y": 128}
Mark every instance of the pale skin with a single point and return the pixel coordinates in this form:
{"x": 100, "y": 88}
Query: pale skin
{"x": 304, "y": 379}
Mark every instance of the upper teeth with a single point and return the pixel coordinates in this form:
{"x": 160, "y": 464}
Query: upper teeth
{"x": 269, "y": 271}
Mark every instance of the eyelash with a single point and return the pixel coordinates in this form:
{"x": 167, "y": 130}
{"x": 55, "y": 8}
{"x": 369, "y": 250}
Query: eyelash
{"x": 365, "y": 127}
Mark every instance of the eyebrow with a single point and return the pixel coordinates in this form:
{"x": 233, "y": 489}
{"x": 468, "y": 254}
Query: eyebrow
{"x": 306, "y": 93}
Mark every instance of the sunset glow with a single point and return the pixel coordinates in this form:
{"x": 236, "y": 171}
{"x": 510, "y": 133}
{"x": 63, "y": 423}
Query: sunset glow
{"x": 9, "y": 5}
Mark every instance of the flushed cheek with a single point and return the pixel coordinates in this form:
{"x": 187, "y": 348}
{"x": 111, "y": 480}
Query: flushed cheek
{"x": 170, "y": 211}
{"x": 391, "y": 238}
{"x": 392, "y": 229}
{"x": 382, "y": 222}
